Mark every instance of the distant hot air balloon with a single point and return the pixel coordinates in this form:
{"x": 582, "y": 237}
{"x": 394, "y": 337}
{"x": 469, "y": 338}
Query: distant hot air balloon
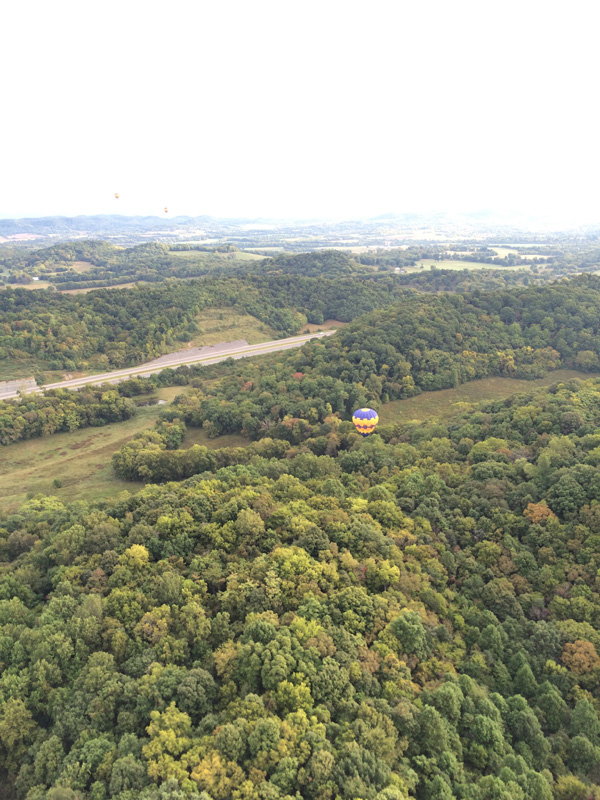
{"x": 365, "y": 420}
{"x": 116, "y": 195}
{"x": 166, "y": 210}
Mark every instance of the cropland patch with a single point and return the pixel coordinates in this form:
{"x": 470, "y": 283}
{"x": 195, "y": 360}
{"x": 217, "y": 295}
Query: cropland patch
{"x": 427, "y": 263}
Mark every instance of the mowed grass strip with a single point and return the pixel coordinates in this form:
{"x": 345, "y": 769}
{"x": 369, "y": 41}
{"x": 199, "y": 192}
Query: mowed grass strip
{"x": 446, "y": 402}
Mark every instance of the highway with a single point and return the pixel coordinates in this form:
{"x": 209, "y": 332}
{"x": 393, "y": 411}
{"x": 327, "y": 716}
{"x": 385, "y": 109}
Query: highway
{"x": 219, "y": 353}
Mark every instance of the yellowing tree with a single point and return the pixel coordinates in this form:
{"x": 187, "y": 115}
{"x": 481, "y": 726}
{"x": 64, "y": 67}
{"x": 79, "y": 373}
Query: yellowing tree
{"x": 170, "y": 737}
{"x": 580, "y": 656}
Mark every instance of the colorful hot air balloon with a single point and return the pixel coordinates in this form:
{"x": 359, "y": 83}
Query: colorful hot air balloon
{"x": 116, "y": 195}
{"x": 365, "y": 420}
{"x": 166, "y": 210}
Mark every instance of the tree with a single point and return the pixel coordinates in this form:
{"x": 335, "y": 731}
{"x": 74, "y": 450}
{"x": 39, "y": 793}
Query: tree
{"x": 170, "y": 737}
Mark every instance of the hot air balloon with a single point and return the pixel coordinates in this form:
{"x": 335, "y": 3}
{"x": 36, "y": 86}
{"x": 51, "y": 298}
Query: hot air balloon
{"x": 365, "y": 420}
{"x": 166, "y": 210}
{"x": 116, "y": 195}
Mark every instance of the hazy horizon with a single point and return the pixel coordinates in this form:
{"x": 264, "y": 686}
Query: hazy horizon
{"x": 485, "y": 216}
{"x": 299, "y": 111}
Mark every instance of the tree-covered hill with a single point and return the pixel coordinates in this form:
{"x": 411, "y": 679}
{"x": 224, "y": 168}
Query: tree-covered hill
{"x": 318, "y": 616}
{"x": 424, "y": 342}
{"x": 325, "y": 263}
{"x": 131, "y": 326}
{"x": 412, "y": 615}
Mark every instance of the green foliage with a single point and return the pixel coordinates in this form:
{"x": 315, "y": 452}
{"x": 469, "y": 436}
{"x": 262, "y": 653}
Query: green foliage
{"x": 60, "y": 410}
{"x": 414, "y": 615}
{"x": 250, "y": 628}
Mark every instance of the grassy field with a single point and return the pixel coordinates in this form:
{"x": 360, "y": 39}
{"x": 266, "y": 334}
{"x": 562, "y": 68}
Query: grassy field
{"x": 195, "y": 255}
{"x": 12, "y": 369}
{"x": 129, "y": 285}
{"x": 507, "y": 251}
{"x": 311, "y": 327}
{"x": 427, "y": 263}
{"x": 229, "y": 324}
{"x": 81, "y": 266}
{"x": 446, "y": 402}
{"x": 82, "y": 459}
{"x": 33, "y": 285}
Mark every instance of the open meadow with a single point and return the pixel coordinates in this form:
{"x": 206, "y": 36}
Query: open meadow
{"x": 446, "y": 402}
{"x": 228, "y": 325}
{"x": 81, "y": 460}
{"x": 427, "y": 263}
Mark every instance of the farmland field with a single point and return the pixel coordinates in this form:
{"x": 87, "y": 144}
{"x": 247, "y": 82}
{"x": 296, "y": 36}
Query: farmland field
{"x": 194, "y": 255}
{"x": 508, "y": 251}
{"x": 129, "y": 285}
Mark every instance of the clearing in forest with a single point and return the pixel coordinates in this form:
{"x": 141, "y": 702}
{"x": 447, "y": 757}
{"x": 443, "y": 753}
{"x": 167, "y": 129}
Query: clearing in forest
{"x": 218, "y": 325}
{"x": 427, "y": 263}
{"x": 444, "y": 403}
{"x": 83, "y": 459}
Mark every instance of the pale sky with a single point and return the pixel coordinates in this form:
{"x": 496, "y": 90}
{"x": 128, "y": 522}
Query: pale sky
{"x": 281, "y": 108}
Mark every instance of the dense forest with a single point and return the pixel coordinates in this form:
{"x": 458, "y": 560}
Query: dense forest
{"x": 108, "y": 329}
{"x": 412, "y": 615}
{"x": 60, "y": 410}
{"x": 312, "y": 616}
{"x": 117, "y": 329}
{"x": 107, "y": 264}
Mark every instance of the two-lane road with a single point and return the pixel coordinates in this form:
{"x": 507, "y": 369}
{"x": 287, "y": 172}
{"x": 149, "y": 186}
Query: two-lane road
{"x": 151, "y": 369}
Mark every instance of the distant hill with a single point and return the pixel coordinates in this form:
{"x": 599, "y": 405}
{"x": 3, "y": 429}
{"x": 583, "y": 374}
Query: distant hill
{"x": 386, "y": 230}
{"x": 102, "y": 223}
{"x": 324, "y": 262}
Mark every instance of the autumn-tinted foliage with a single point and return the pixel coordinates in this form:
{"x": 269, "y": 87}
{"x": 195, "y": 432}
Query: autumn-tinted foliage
{"x": 411, "y": 615}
